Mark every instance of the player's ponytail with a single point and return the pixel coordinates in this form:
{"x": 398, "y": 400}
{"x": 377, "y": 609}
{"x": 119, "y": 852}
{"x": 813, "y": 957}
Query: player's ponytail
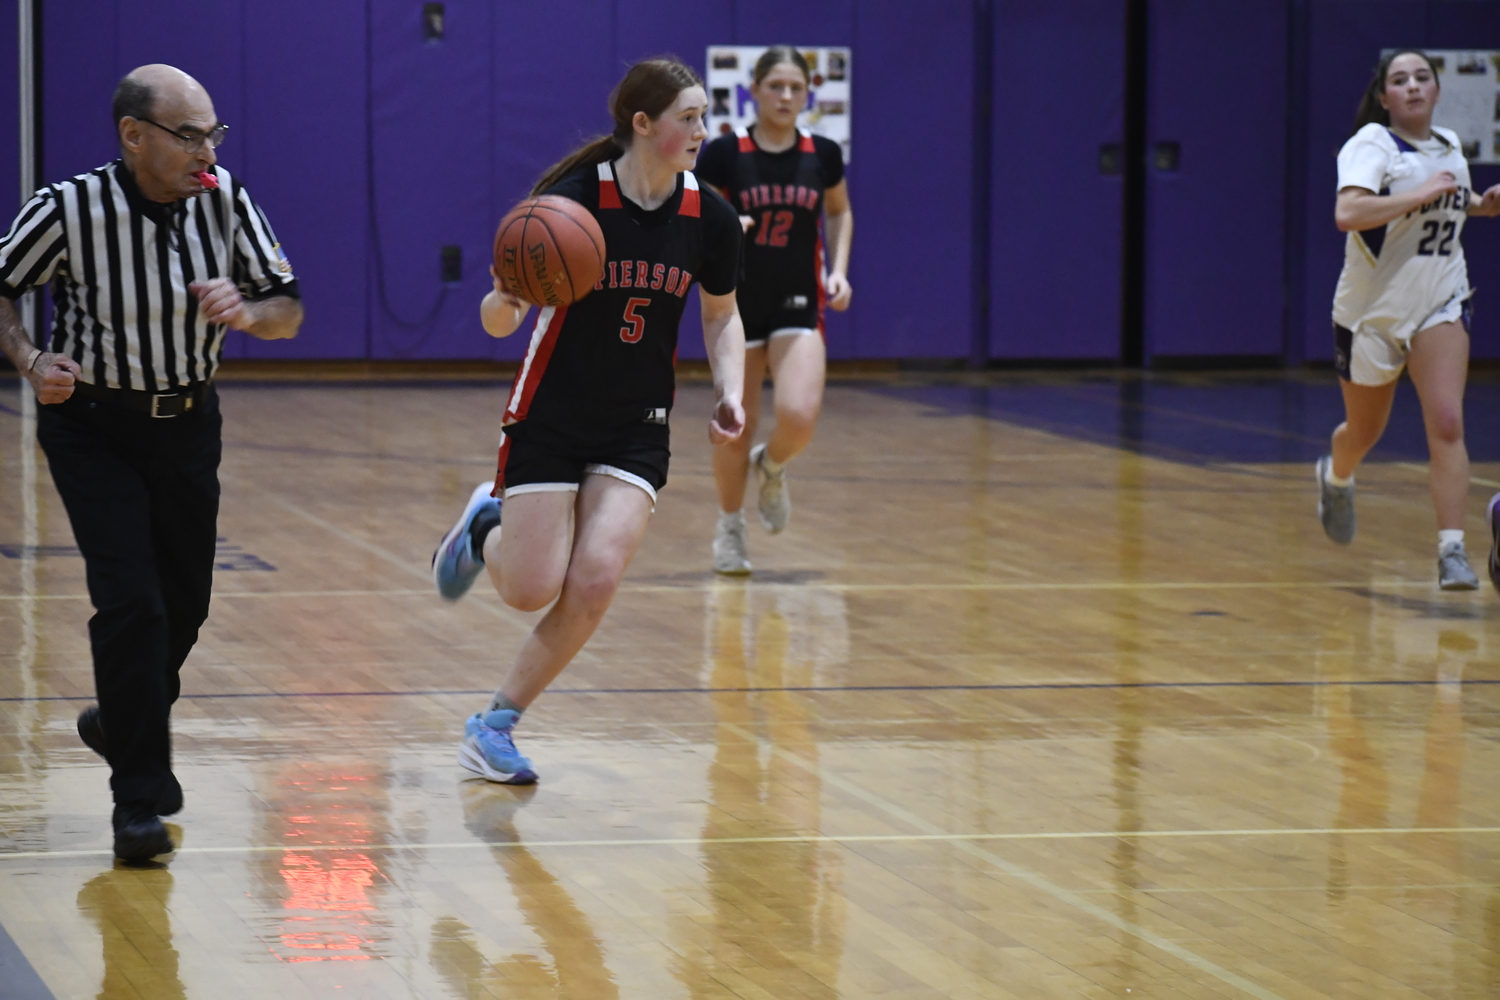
{"x": 1370, "y": 109}
{"x": 650, "y": 86}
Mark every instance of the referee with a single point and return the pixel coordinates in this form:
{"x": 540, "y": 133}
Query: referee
{"x": 152, "y": 258}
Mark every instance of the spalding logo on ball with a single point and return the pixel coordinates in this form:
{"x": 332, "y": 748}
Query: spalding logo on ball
{"x": 549, "y": 251}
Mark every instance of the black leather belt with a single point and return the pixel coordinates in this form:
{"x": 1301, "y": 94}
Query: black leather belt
{"x": 157, "y": 404}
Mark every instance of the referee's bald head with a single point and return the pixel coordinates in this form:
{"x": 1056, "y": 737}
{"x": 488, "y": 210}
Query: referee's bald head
{"x": 164, "y": 121}
{"x": 145, "y": 90}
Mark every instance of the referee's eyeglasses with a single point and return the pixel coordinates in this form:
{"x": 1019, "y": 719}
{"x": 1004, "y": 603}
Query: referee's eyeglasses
{"x": 193, "y": 140}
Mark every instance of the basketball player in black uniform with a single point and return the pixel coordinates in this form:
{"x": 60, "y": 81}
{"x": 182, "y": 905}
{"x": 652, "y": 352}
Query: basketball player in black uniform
{"x": 585, "y": 446}
{"x": 782, "y": 181}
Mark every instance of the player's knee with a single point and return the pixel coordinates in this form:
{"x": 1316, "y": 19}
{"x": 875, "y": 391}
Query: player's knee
{"x": 528, "y": 594}
{"x": 1446, "y": 426}
{"x": 799, "y": 419}
{"x": 591, "y": 588}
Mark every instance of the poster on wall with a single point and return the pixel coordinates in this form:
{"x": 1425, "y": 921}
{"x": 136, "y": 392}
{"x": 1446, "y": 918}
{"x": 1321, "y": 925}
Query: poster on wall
{"x": 731, "y": 106}
{"x": 1470, "y": 100}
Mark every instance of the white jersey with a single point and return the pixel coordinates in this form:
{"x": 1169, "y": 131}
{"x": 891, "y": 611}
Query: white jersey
{"x": 1399, "y": 276}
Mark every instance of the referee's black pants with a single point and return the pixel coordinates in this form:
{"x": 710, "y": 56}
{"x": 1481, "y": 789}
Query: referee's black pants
{"x": 142, "y": 494}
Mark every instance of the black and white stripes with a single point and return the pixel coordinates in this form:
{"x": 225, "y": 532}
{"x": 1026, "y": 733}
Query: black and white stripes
{"x": 121, "y": 265}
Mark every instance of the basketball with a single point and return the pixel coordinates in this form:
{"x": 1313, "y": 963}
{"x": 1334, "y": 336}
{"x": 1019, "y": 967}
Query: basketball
{"x": 549, "y": 251}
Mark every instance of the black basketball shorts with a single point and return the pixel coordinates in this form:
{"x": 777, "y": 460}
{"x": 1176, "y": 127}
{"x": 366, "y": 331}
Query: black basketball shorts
{"x": 799, "y": 315}
{"x": 535, "y": 458}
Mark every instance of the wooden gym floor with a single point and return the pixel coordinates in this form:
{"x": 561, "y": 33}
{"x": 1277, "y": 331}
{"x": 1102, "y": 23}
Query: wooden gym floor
{"x": 1053, "y": 689}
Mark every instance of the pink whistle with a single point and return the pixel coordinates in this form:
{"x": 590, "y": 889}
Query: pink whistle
{"x": 208, "y": 180}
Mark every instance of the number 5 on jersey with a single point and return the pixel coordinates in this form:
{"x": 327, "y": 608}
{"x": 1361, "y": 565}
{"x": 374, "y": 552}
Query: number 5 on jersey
{"x": 636, "y": 327}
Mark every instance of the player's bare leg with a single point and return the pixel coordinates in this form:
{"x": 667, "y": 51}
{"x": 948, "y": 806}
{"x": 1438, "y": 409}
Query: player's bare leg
{"x": 610, "y": 521}
{"x": 798, "y": 369}
{"x": 798, "y": 363}
{"x": 1367, "y": 408}
{"x": 528, "y": 557}
{"x": 731, "y": 463}
{"x": 1439, "y": 366}
{"x": 569, "y": 550}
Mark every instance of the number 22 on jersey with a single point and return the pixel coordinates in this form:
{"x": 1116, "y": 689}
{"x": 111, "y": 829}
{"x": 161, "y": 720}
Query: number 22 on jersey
{"x": 1432, "y": 227}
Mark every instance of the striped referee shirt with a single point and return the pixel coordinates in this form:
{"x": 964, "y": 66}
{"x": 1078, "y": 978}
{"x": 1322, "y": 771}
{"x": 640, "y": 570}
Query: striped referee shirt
{"x": 120, "y": 266}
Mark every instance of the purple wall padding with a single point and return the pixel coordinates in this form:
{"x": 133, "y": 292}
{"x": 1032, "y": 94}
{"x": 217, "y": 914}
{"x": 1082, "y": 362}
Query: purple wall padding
{"x": 913, "y": 148}
{"x": 10, "y": 167}
{"x": 432, "y": 148}
{"x": 303, "y": 160}
{"x": 1216, "y": 84}
{"x": 1055, "y": 220}
{"x": 1345, "y": 39}
{"x": 458, "y": 131}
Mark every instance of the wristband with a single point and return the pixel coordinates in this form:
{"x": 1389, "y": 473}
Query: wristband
{"x": 36, "y": 352}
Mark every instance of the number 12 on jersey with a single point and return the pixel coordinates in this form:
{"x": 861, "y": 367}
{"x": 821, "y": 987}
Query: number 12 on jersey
{"x": 636, "y": 323}
{"x": 774, "y": 233}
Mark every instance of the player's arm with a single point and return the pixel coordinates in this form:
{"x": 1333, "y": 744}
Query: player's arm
{"x": 1487, "y": 204}
{"x": 838, "y": 221}
{"x": 501, "y": 312}
{"x": 724, "y": 342}
{"x": 1358, "y": 209}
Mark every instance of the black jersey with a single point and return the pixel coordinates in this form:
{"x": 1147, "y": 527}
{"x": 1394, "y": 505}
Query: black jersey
{"x": 783, "y": 192}
{"x": 607, "y": 360}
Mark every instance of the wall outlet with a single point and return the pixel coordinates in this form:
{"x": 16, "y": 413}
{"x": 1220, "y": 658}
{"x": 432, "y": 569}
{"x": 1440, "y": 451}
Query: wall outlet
{"x": 451, "y": 265}
{"x": 433, "y": 16}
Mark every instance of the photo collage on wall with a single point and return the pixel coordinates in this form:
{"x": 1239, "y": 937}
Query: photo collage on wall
{"x": 1469, "y": 102}
{"x": 731, "y": 106}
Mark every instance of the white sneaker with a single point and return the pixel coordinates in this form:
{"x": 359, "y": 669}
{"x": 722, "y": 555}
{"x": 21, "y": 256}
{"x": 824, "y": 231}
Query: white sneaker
{"x": 729, "y": 545}
{"x": 1453, "y": 568}
{"x": 774, "y": 503}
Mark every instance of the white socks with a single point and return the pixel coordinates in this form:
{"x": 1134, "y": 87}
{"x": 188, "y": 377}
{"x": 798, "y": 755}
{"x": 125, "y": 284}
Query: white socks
{"x": 731, "y": 520}
{"x": 1332, "y": 480}
{"x": 772, "y": 468}
{"x": 1450, "y": 537}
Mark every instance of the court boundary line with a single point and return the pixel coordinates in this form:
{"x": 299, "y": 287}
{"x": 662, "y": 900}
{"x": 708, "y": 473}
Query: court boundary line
{"x": 853, "y": 688}
{"x": 711, "y": 584}
{"x": 854, "y": 838}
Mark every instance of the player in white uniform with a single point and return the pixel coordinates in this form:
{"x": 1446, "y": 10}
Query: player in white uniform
{"x": 1403, "y": 296}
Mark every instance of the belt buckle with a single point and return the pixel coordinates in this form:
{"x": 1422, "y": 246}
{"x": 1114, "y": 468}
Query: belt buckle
{"x": 156, "y": 405}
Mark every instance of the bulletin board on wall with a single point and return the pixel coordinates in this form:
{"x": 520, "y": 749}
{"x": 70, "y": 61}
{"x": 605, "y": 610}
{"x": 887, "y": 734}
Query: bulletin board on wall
{"x": 731, "y": 106}
{"x": 1469, "y": 101}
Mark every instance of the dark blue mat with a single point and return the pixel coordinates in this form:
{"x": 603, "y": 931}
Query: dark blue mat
{"x": 1202, "y": 418}
{"x": 18, "y": 980}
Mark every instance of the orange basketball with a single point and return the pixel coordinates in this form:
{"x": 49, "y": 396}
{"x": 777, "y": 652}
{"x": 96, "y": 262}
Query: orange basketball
{"x": 549, "y": 251}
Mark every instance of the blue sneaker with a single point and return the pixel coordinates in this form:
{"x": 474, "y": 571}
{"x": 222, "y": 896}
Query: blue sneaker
{"x": 488, "y": 749}
{"x": 1492, "y": 518}
{"x": 455, "y": 564}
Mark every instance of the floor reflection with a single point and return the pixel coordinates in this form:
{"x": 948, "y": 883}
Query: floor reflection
{"x": 577, "y": 970}
{"x": 129, "y": 907}
{"x": 777, "y": 910}
{"x": 1125, "y": 762}
{"x": 325, "y": 903}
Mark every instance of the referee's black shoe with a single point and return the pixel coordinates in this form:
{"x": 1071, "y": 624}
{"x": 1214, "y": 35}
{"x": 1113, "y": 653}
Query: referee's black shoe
{"x": 139, "y": 836}
{"x": 91, "y": 731}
